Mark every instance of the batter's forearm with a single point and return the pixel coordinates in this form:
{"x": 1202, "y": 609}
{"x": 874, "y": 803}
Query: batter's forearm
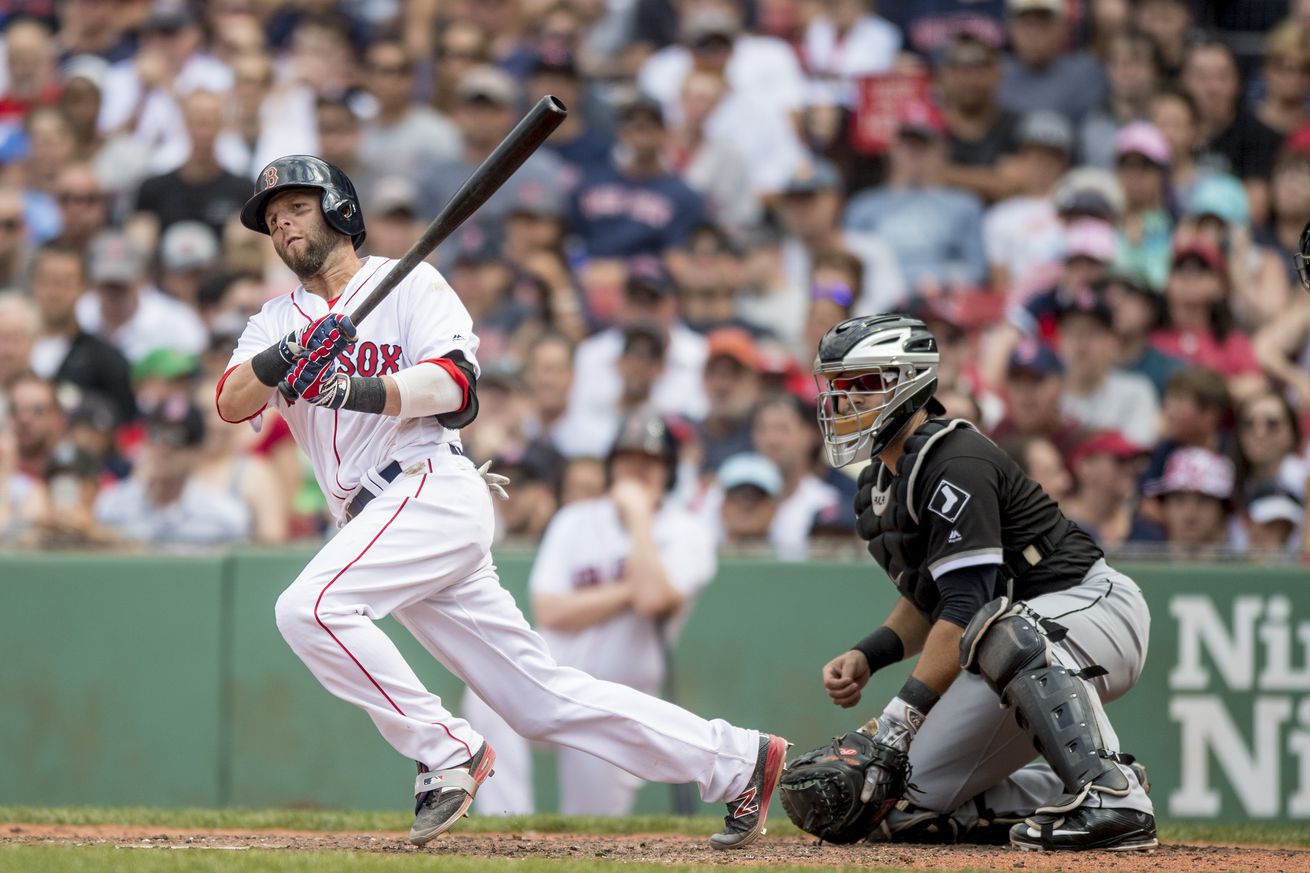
{"x": 940, "y": 662}
{"x": 241, "y": 394}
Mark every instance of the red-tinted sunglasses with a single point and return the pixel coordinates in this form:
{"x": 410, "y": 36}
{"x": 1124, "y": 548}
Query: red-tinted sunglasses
{"x": 875, "y": 383}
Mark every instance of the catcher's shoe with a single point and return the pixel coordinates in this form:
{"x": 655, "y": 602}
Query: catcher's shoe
{"x": 443, "y": 796}
{"x": 1108, "y": 830}
{"x": 747, "y": 812}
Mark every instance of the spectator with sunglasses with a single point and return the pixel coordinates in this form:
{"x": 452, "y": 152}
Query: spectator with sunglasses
{"x": 1269, "y": 444}
{"x": 833, "y": 280}
{"x": 403, "y": 136}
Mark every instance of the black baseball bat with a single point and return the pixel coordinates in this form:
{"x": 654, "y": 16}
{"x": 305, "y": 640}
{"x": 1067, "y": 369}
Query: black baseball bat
{"x": 514, "y": 149}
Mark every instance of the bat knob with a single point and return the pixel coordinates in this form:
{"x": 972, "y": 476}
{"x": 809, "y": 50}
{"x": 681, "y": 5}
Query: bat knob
{"x": 289, "y": 395}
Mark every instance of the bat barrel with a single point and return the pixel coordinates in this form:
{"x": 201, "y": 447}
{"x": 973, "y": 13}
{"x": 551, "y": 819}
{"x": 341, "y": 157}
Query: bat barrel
{"x": 526, "y": 137}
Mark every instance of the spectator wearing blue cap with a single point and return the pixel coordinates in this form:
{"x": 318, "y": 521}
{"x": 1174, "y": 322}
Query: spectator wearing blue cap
{"x": 751, "y": 485}
{"x": 1034, "y": 383}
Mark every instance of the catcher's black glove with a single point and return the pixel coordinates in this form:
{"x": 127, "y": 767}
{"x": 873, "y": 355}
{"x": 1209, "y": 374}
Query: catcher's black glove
{"x": 842, "y": 791}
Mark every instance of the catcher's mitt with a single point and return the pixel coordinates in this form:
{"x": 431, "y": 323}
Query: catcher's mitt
{"x": 842, "y": 791}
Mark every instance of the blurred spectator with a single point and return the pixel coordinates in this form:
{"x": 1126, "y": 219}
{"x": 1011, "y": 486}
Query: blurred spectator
{"x": 1170, "y": 24}
{"x": 126, "y": 311}
{"x": 93, "y": 27}
{"x": 1133, "y": 73}
{"x": 265, "y": 119}
{"x": 13, "y": 238}
{"x": 1211, "y": 74}
{"x": 1105, "y": 469}
{"x": 29, "y": 58}
{"x": 38, "y": 425}
{"x": 834, "y": 278}
{"x": 52, "y": 147}
{"x": 403, "y": 136}
{"x": 714, "y": 166}
{"x": 577, "y": 141}
{"x": 485, "y": 110}
{"x": 1138, "y": 312}
{"x": 1196, "y": 493}
{"x": 1176, "y": 115}
{"x": 164, "y": 502}
{"x": 548, "y": 372}
{"x": 1218, "y": 215}
{"x": 19, "y": 324}
{"x": 141, "y": 96}
{"x": 936, "y": 232}
{"x": 1198, "y": 326}
{"x": 392, "y": 217}
{"x": 732, "y": 387}
{"x": 1097, "y": 394}
{"x": 1286, "y": 78}
{"x": 461, "y": 46}
{"x": 1273, "y": 519}
{"x": 188, "y": 251}
{"x": 708, "y": 273}
{"x": 200, "y": 189}
{"x": 1035, "y": 385}
{"x": 72, "y": 484}
{"x": 322, "y": 54}
{"x": 980, "y": 130}
{"x": 1042, "y": 72}
{"x": 534, "y": 471}
{"x": 1289, "y": 203}
{"x": 751, "y": 486}
{"x": 339, "y": 137}
{"x": 1023, "y": 235}
{"x": 928, "y": 26}
{"x": 113, "y": 155}
{"x": 762, "y": 67}
{"x": 93, "y": 428}
{"x": 1197, "y": 412}
{"x": 1040, "y": 460}
{"x": 583, "y": 479}
{"x": 230, "y": 468}
{"x": 83, "y": 206}
{"x": 845, "y": 40}
{"x": 1146, "y": 233}
{"x": 611, "y": 585}
{"x": 961, "y": 404}
{"x": 649, "y": 298}
{"x": 65, "y": 353}
{"x": 784, "y": 431}
{"x": 811, "y": 212}
{"x": 1269, "y": 445}
{"x": 635, "y": 206}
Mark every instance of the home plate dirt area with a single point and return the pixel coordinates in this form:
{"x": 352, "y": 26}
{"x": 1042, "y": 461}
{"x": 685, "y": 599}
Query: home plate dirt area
{"x": 673, "y": 849}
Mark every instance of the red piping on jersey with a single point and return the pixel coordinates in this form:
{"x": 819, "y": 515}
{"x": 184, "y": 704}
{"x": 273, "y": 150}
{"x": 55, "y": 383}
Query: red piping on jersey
{"x": 455, "y": 373}
{"x": 292, "y": 295}
{"x": 336, "y": 640}
{"x": 219, "y": 390}
{"x": 361, "y": 286}
{"x": 336, "y": 474}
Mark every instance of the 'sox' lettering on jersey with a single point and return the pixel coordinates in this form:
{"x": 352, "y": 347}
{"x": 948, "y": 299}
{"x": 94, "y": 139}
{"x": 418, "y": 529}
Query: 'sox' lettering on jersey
{"x": 948, "y": 500}
{"x": 370, "y": 359}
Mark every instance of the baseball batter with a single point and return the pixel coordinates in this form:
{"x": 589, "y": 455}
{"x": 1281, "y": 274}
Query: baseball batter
{"x": 611, "y": 584}
{"x": 378, "y": 411}
{"x": 1004, "y": 601}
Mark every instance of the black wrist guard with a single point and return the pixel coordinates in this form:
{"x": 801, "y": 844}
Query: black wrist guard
{"x": 270, "y": 366}
{"x": 882, "y": 648}
{"x": 367, "y": 394}
{"x": 918, "y": 695}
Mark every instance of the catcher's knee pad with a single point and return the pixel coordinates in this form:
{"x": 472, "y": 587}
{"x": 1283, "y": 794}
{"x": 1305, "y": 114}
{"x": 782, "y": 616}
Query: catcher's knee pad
{"x": 1057, "y": 708}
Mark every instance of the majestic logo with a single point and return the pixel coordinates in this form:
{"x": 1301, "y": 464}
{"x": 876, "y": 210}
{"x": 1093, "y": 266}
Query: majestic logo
{"x": 270, "y": 176}
{"x": 954, "y": 538}
{"x": 948, "y": 500}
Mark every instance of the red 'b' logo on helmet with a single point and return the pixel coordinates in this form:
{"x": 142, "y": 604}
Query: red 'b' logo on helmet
{"x": 270, "y": 177}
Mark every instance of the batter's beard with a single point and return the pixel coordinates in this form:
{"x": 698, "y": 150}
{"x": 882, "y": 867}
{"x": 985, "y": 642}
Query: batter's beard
{"x": 309, "y": 261}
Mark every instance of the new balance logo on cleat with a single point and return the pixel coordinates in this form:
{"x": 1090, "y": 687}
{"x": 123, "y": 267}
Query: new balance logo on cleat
{"x": 746, "y": 804}
{"x": 954, "y": 537}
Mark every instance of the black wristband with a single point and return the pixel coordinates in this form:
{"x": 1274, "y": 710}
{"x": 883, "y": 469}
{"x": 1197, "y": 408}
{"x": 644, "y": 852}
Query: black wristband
{"x": 918, "y": 695}
{"x": 270, "y": 366}
{"x": 367, "y": 394}
{"x": 882, "y": 648}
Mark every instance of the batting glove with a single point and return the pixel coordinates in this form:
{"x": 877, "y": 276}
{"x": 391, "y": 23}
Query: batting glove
{"x": 495, "y": 482}
{"x": 333, "y": 332}
{"x": 330, "y": 392}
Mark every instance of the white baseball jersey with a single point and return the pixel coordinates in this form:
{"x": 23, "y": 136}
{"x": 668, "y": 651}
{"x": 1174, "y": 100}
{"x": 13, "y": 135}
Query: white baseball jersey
{"x": 422, "y": 319}
{"x": 586, "y": 545}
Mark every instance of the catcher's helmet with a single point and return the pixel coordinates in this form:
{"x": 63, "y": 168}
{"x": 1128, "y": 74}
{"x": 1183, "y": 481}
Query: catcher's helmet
{"x": 340, "y": 202}
{"x": 879, "y": 370}
{"x": 1302, "y": 257}
{"x": 646, "y": 432}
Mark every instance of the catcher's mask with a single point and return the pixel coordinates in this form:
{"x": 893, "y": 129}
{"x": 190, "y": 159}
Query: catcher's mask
{"x": 874, "y": 372}
{"x": 1302, "y": 257}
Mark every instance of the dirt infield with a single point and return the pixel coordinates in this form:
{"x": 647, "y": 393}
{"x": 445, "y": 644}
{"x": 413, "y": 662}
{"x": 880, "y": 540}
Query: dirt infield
{"x": 666, "y": 849}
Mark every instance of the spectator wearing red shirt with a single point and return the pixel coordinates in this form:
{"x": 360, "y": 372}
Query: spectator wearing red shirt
{"x": 30, "y": 55}
{"x": 1198, "y": 326}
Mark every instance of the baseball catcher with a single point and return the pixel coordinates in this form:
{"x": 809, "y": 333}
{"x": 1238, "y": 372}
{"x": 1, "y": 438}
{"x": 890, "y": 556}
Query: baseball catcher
{"x": 1021, "y": 628}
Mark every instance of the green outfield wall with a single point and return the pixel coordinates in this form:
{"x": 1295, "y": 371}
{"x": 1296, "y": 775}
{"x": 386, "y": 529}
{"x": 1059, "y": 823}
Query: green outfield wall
{"x": 163, "y": 681}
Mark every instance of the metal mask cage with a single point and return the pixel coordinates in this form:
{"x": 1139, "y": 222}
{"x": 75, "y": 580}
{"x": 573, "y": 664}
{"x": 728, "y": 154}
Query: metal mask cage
{"x": 854, "y": 406}
{"x": 1302, "y": 268}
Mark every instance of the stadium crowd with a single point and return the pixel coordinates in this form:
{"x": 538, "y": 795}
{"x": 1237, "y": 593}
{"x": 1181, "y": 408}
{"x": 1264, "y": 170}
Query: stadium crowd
{"x": 1092, "y": 203}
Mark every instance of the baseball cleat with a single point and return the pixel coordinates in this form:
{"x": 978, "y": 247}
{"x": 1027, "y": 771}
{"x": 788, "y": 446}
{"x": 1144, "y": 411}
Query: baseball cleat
{"x": 443, "y": 796}
{"x": 748, "y": 810}
{"x": 1106, "y": 830}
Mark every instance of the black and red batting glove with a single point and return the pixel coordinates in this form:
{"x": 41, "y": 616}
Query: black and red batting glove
{"x": 322, "y": 342}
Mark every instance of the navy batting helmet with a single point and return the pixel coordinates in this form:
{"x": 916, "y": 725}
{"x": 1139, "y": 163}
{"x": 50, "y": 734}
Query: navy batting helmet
{"x": 647, "y": 433}
{"x": 340, "y": 202}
